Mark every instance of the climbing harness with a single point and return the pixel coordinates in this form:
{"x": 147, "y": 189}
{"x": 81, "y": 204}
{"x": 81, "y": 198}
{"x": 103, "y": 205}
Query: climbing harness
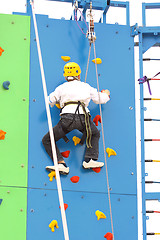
{"x": 59, "y": 187}
{"x": 87, "y": 133}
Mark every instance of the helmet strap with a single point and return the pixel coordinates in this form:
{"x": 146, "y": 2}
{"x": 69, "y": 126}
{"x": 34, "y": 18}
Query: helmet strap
{"x": 69, "y": 79}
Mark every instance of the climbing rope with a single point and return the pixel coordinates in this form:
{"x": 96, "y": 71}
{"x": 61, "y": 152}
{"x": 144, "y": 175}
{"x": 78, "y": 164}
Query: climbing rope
{"x": 91, "y": 37}
{"x": 88, "y": 62}
{"x": 75, "y": 17}
{"x": 59, "y": 188}
{"x": 104, "y": 147}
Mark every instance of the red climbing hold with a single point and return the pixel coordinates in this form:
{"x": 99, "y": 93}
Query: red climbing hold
{"x": 97, "y": 170}
{"x": 97, "y": 119}
{"x": 65, "y": 154}
{"x": 65, "y": 206}
{"x": 108, "y": 236}
{"x": 1, "y": 51}
{"x": 74, "y": 179}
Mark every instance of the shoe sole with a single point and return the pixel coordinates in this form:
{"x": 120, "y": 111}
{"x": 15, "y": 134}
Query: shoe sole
{"x": 61, "y": 172}
{"x": 91, "y": 167}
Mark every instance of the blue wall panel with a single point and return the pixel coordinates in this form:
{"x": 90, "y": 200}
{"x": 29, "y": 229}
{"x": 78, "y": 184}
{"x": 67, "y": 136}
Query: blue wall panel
{"x": 43, "y": 207}
{"x": 116, "y": 49}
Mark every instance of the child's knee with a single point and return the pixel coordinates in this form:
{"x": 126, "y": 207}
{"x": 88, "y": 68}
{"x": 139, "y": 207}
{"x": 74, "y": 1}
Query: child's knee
{"x": 45, "y": 139}
{"x": 97, "y": 134}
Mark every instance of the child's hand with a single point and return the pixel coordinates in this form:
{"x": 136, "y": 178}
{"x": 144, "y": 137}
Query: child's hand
{"x": 106, "y": 91}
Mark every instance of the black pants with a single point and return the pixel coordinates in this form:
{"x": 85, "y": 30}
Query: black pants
{"x": 66, "y": 125}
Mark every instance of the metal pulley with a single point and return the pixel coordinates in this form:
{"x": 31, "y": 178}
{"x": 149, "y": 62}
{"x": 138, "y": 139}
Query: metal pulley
{"x": 91, "y": 33}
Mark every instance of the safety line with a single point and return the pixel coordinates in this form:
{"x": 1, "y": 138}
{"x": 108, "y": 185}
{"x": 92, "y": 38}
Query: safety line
{"x": 88, "y": 62}
{"x": 104, "y": 148}
{"x": 59, "y": 188}
{"x": 78, "y": 23}
{"x": 83, "y": 19}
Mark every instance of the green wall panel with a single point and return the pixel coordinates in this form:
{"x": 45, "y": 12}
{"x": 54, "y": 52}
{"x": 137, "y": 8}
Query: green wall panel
{"x": 13, "y": 210}
{"x": 14, "y": 103}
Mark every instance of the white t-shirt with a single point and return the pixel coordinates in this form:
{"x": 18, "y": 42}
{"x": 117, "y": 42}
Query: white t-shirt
{"x": 76, "y": 91}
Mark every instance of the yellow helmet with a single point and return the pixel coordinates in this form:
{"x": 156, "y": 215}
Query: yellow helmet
{"x": 71, "y": 69}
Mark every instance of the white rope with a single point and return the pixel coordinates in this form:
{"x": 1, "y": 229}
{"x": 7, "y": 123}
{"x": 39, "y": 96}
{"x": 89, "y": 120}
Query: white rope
{"x": 59, "y": 188}
{"x": 88, "y": 62}
{"x": 104, "y": 148}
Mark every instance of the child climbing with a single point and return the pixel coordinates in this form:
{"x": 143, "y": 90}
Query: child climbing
{"x": 74, "y": 97}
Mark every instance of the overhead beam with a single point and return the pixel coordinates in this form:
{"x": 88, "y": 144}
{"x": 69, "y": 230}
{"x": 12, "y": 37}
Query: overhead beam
{"x": 96, "y": 4}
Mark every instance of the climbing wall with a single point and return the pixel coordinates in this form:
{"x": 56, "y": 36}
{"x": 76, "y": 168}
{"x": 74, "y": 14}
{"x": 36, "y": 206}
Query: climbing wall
{"x": 115, "y": 47}
{"x": 14, "y": 118}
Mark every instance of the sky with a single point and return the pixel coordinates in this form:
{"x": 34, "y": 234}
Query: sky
{"x": 152, "y": 130}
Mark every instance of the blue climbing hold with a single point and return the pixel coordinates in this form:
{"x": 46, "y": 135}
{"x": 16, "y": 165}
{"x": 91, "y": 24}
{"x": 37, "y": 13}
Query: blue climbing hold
{"x": 1, "y": 201}
{"x": 6, "y": 85}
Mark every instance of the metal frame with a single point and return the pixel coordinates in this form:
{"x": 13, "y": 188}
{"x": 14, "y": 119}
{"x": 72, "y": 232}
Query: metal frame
{"x": 148, "y": 6}
{"x": 100, "y": 5}
{"x": 148, "y": 37}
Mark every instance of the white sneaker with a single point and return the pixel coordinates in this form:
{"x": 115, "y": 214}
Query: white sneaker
{"x": 62, "y": 169}
{"x": 92, "y": 164}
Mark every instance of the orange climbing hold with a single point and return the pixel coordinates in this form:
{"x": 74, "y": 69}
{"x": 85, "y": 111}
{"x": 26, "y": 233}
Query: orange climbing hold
{"x": 111, "y": 152}
{"x": 65, "y": 206}
{"x": 74, "y": 179}
{"x": 53, "y": 224}
{"x": 51, "y": 175}
{"x": 1, "y": 51}
{"x": 65, "y": 58}
{"x": 97, "y": 60}
{"x": 65, "y": 154}
{"x": 97, "y": 119}
{"x": 97, "y": 170}
{"x": 58, "y": 105}
{"x": 2, "y": 135}
{"x": 100, "y": 215}
{"x": 76, "y": 140}
{"x": 108, "y": 236}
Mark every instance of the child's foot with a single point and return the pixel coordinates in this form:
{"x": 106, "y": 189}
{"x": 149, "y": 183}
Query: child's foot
{"x": 62, "y": 167}
{"x": 92, "y": 164}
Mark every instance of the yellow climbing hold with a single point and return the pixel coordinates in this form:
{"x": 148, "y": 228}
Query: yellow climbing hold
{"x": 53, "y": 224}
{"x": 110, "y": 152}
{"x": 97, "y": 60}
{"x": 76, "y": 140}
{"x": 65, "y": 58}
{"x": 100, "y": 214}
{"x": 58, "y": 106}
{"x": 51, "y": 175}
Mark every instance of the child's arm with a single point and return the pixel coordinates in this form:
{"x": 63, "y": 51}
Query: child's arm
{"x": 54, "y": 97}
{"x": 101, "y": 97}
